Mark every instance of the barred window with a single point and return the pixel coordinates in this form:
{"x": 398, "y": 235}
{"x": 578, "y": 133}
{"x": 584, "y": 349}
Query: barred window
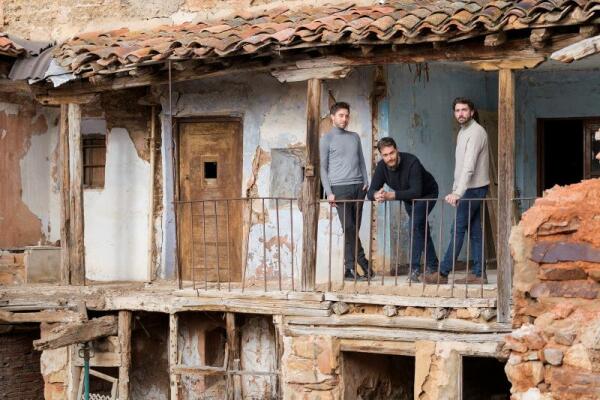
{"x": 94, "y": 160}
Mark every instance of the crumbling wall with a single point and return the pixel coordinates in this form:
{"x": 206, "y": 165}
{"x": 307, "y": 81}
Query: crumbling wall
{"x": 29, "y": 201}
{"x": 60, "y": 19}
{"x": 20, "y": 376}
{"x": 555, "y": 350}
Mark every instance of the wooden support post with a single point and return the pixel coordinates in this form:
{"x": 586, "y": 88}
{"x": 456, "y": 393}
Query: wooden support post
{"x": 152, "y": 149}
{"x": 65, "y": 237}
{"x": 310, "y": 188}
{"x": 506, "y": 180}
{"x": 234, "y": 390}
{"x": 77, "y": 249}
{"x": 125, "y": 345}
{"x": 173, "y": 354}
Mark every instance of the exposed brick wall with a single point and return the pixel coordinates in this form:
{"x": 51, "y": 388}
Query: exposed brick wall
{"x": 555, "y": 352}
{"x": 20, "y": 376}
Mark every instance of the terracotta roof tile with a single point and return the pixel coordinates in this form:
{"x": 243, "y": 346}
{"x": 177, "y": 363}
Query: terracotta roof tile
{"x": 9, "y": 48}
{"x": 263, "y": 32}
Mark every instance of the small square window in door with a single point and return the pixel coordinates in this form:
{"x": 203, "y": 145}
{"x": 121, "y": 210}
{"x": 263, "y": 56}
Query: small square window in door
{"x": 210, "y": 170}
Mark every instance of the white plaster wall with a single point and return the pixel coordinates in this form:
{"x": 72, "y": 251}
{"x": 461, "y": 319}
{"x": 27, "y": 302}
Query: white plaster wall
{"x": 39, "y": 176}
{"x": 116, "y": 217}
{"x": 274, "y": 116}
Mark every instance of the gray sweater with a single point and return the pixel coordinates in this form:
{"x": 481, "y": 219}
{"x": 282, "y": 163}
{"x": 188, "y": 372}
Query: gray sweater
{"x": 342, "y": 160}
{"x": 472, "y": 159}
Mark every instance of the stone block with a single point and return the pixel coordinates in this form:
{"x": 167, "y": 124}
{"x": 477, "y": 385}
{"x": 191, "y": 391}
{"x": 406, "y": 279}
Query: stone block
{"x": 564, "y": 337}
{"x": 573, "y": 289}
{"x": 390, "y": 311}
{"x": 561, "y": 272}
{"x": 553, "y": 356}
{"x": 578, "y": 357}
{"x": 525, "y": 375}
{"x": 554, "y": 252}
{"x": 42, "y": 264}
{"x": 590, "y": 335}
{"x": 340, "y": 308}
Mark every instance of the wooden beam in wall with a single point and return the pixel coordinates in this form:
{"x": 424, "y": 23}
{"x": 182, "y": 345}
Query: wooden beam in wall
{"x": 310, "y": 187}
{"x": 234, "y": 390}
{"x": 577, "y": 51}
{"x": 151, "y": 194}
{"x": 65, "y": 228}
{"x": 84, "y": 331}
{"x": 125, "y": 318}
{"x": 506, "y": 183}
{"x": 77, "y": 248}
{"x": 295, "y": 74}
{"x": 173, "y": 354}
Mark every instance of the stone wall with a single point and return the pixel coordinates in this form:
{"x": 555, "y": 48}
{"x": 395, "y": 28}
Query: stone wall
{"x": 555, "y": 349}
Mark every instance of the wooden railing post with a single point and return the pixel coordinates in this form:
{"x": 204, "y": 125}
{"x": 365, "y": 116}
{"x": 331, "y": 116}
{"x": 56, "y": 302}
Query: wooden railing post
{"x": 125, "y": 319}
{"x": 506, "y": 183}
{"x": 310, "y": 188}
{"x": 76, "y": 242}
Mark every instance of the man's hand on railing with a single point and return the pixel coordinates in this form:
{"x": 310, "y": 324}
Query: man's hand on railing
{"x": 331, "y": 199}
{"x": 452, "y": 199}
{"x": 382, "y": 195}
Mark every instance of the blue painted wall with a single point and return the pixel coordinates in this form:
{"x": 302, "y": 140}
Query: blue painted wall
{"x": 549, "y": 94}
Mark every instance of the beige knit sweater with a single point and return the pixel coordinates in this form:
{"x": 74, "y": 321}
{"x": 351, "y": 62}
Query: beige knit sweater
{"x": 472, "y": 159}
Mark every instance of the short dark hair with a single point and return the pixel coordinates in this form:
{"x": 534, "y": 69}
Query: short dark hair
{"x": 386, "y": 142}
{"x": 340, "y": 105}
{"x": 463, "y": 100}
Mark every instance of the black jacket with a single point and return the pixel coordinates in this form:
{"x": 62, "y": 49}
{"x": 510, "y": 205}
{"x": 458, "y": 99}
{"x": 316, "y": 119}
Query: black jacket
{"x": 409, "y": 180}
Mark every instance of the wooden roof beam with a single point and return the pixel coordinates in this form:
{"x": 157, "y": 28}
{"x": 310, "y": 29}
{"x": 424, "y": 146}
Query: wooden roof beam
{"x": 539, "y": 37}
{"x": 495, "y": 39}
{"x": 577, "y": 51}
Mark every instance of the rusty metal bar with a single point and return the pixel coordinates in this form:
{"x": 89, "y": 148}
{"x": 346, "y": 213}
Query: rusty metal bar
{"x": 278, "y": 243}
{"x": 398, "y": 226}
{"x": 410, "y": 251}
{"x": 370, "y": 260}
{"x": 247, "y": 248}
{"x": 264, "y": 244}
{"x": 425, "y": 245}
{"x": 217, "y": 245}
{"x": 292, "y": 238}
{"x": 454, "y": 251}
{"x": 228, "y": 250}
{"x": 385, "y": 226}
{"x": 483, "y": 273}
{"x": 468, "y": 248}
{"x": 440, "y": 249}
{"x": 344, "y": 247}
{"x": 355, "y": 243}
{"x": 192, "y": 248}
{"x": 205, "y": 252}
{"x": 330, "y": 239}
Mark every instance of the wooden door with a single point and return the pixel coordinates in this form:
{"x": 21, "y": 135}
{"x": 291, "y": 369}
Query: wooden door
{"x": 210, "y": 176}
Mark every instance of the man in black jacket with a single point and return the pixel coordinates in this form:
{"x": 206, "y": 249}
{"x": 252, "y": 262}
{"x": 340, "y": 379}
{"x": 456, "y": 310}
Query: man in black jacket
{"x": 404, "y": 173}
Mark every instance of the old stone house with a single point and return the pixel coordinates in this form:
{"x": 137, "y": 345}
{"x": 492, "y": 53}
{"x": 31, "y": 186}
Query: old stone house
{"x": 161, "y": 200}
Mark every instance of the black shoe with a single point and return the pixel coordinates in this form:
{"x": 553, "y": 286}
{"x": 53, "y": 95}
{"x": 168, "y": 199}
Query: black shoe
{"x": 369, "y": 273}
{"x": 349, "y": 276}
{"x": 414, "y": 276}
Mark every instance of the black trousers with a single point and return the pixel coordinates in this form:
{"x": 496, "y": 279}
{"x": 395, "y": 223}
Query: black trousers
{"x": 350, "y": 214}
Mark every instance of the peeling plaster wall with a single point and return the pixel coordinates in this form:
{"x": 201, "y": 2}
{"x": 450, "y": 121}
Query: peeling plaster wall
{"x": 116, "y": 217}
{"x": 29, "y": 204}
{"x": 274, "y": 117}
{"x": 417, "y": 113}
{"x": 542, "y": 94}
{"x": 258, "y": 353}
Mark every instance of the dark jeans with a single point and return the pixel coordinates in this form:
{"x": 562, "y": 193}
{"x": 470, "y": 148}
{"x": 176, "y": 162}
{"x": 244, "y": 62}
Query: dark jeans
{"x": 350, "y": 214}
{"x": 418, "y": 212}
{"x": 466, "y": 215}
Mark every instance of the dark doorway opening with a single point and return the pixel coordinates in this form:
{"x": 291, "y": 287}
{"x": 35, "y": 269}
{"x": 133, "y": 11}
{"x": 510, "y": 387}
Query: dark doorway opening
{"x": 560, "y": 152}
{"x": 369, "y": 376}
{"x": 484, "y": 378}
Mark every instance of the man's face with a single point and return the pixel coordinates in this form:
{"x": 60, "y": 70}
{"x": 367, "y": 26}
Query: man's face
{"x": 341, "y": 118}
{"x": 389, "y": 155}
{"x": 463, "y": 113}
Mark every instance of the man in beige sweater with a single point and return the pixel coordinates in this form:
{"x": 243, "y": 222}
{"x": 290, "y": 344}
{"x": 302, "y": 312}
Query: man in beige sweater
{"x": 471, "y": 181}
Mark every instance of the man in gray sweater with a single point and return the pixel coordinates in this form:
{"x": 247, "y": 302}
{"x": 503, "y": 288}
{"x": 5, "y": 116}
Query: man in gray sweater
{"x": 344, "y": 178}
{"x": 471, "y": 181}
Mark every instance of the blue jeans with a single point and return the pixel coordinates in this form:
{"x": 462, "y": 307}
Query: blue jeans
{"x": 466, "y": 215}
{"x": 418, "y": 212}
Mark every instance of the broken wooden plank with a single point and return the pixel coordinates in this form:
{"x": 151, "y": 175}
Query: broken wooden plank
{"x": 50, "y": 316}
{"x": 577, "y": 51}
{"x": 306, "y": 74}
{"x": 81, "y": 332}
{"x": 401, "y": 322}
{"x": 406, "y": 335}
{"x": 406, "y": 301}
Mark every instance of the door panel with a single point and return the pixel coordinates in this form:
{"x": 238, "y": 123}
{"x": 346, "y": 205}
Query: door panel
{"x": 210, "y": 168}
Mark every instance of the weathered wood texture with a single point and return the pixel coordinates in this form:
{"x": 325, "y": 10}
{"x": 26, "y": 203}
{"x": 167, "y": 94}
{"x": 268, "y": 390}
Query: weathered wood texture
{"x": 234, "y": 391}
{"x": 173, "y": 349}
{"x": 151, "y": 195}
{"x": 506, "y": 174}
{"x": 310, "y": 188}
{"x": 77, "y": 247}
{"x": 577, "y": 51}
{"x": 125, "y": 346}
{"x": 65, "y": 219}
{"x": 81, "y": 332}
{"x": 49, "y": 316}
{"x": 295, "y": 74}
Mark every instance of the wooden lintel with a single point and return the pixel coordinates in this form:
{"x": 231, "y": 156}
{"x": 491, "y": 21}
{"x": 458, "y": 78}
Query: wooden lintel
{"x": 305, "y": 74}
{"x": 508, "y": 63}
{"x": 50, "y": 316}
{"x": 409, "y": 301}
{"x": 495, "y": 39}
{"x": 577, "y": 51}
{"x": 59, "y": 100}
{"x": 81, "y": 332}
{"x": 506, "y": 181}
